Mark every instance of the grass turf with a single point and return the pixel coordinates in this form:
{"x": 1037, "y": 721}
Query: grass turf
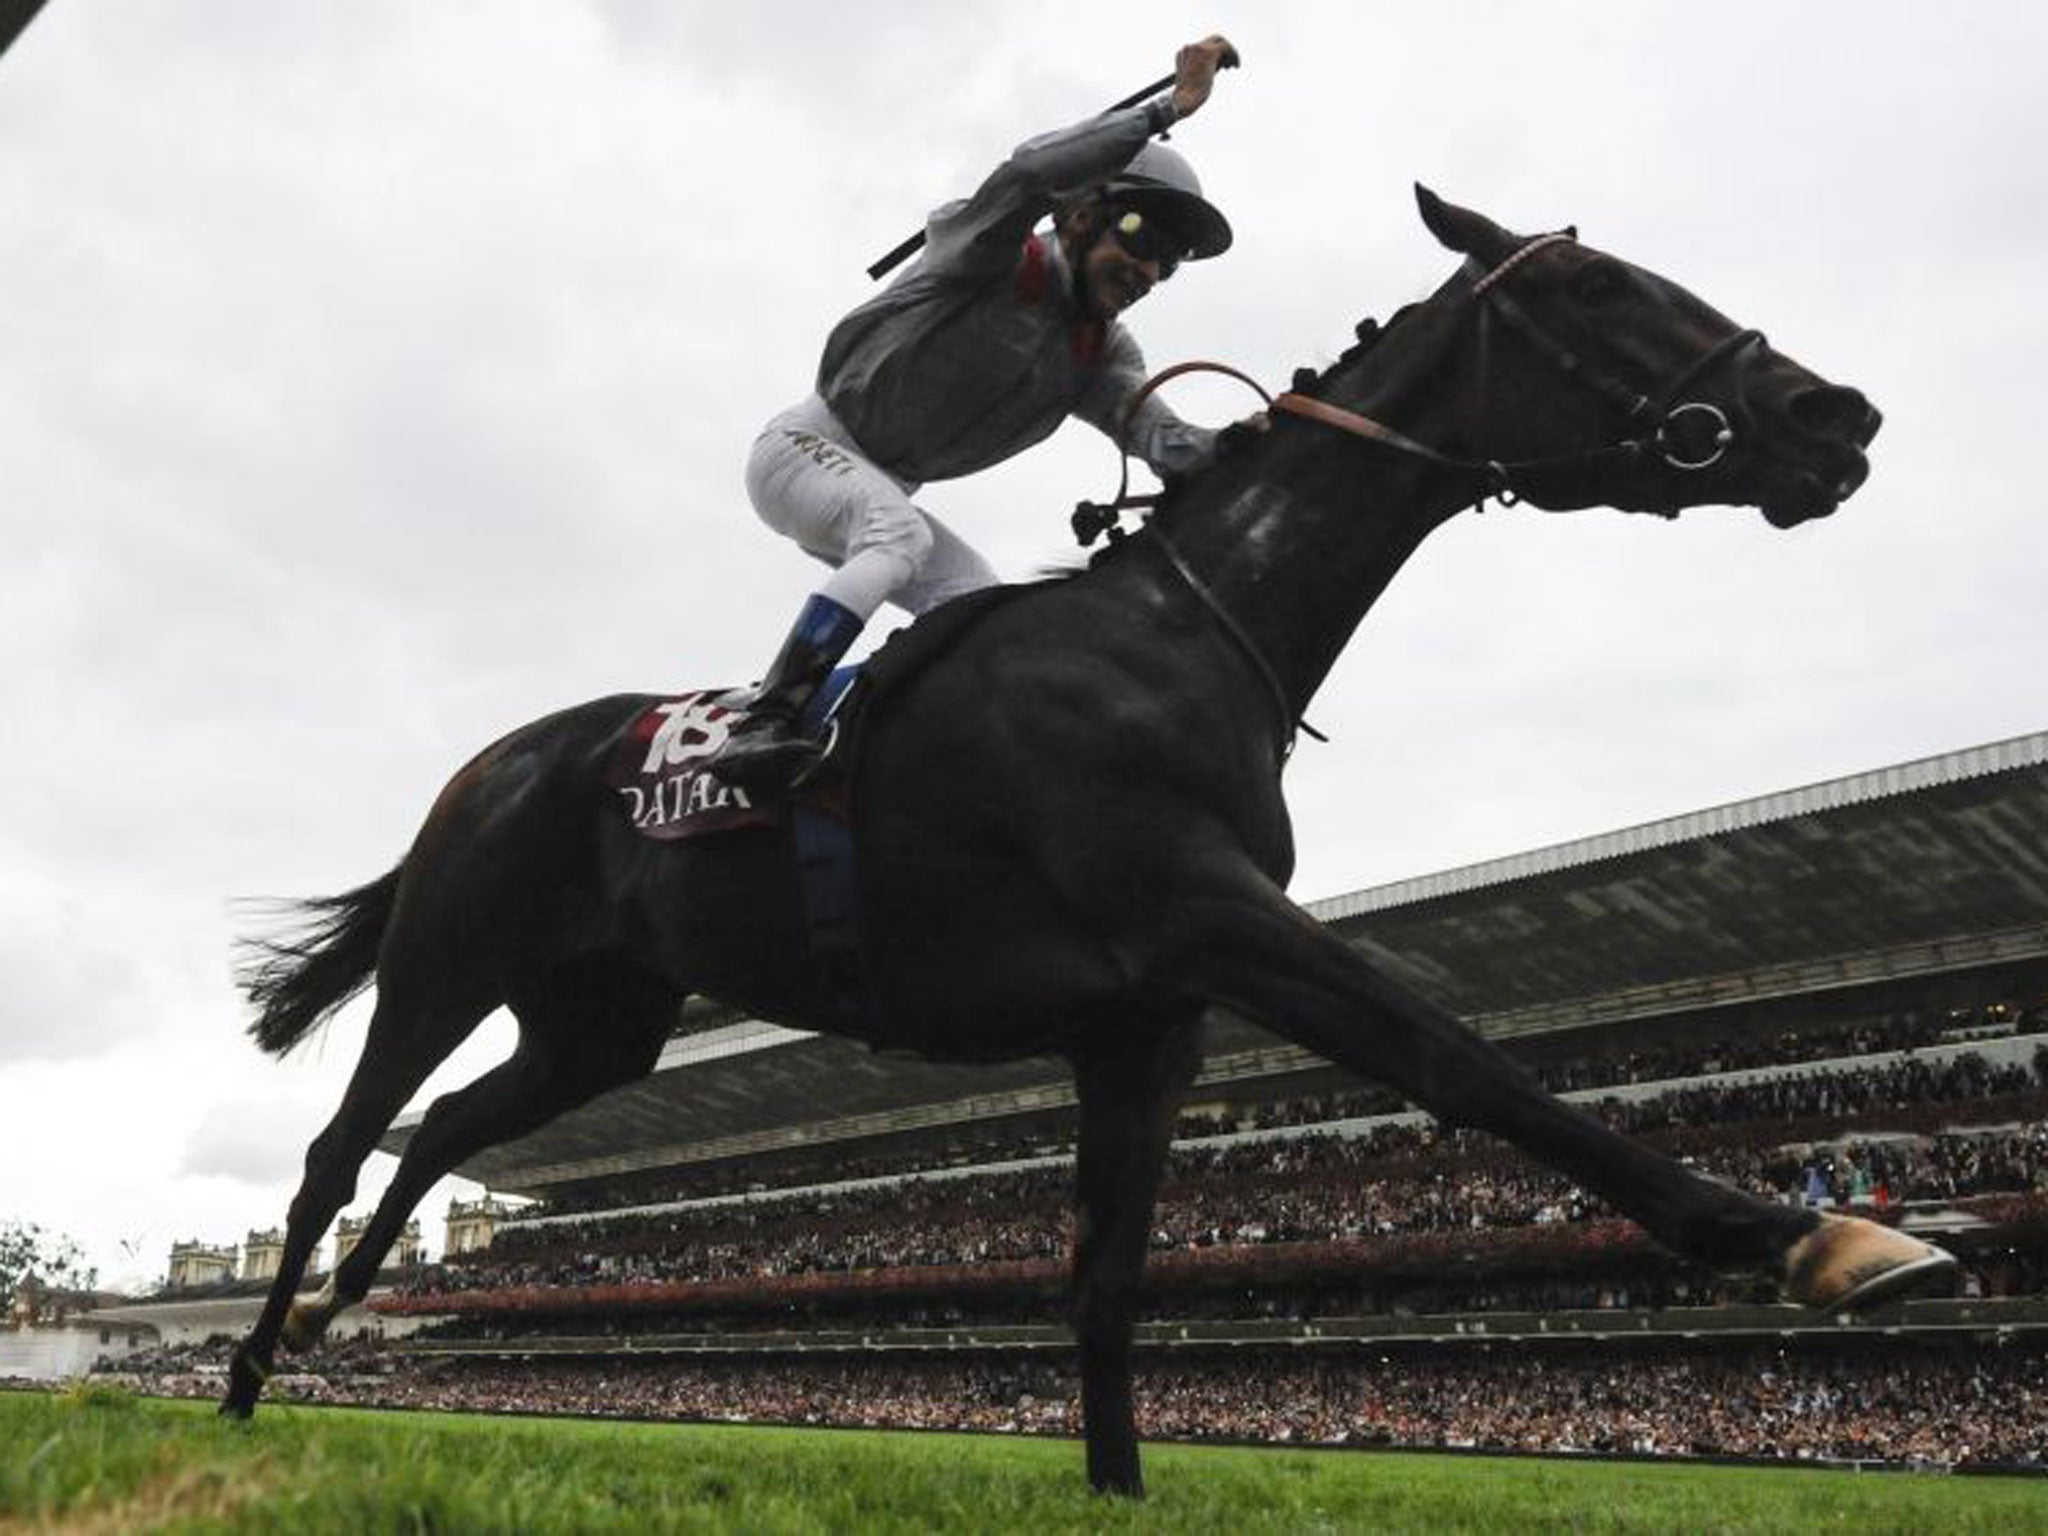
{"x": 96, "y": 1459}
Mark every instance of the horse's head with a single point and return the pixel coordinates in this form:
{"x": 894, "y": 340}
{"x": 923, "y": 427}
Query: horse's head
{"x": 1601, "y": 383}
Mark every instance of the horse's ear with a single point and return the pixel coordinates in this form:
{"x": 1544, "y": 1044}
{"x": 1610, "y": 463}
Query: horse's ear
{"x": 1466, "y": 232}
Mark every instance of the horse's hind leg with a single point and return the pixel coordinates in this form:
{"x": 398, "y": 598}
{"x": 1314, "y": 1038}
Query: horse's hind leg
{"x": 583, "y": 1029}
{"x": 403, "y": 1045}
{"x": 1130, "y": 1093}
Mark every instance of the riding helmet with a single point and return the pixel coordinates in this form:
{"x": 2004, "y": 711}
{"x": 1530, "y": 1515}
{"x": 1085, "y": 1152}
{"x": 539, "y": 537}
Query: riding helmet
{"x": 1160, "y": 183}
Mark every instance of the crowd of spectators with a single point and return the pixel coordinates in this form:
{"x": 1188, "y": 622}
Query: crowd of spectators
{"x": 1662, "y": 1062}
{"x": 1305, "y": 1189}
{"x": 1929, "y": 1404}
{"x": 360, "y": 1354}
{"x": 1578, "y": 1067}
{"x": 1669, "y": 1059}
{"x": 1838, "y": 1093}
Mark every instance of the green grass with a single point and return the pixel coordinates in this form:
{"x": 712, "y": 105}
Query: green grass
{"x": 98, "y": 1460}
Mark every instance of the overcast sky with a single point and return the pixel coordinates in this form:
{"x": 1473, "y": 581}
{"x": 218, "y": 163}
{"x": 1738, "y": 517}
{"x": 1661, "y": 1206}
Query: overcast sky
{"x": 376, "y": 376}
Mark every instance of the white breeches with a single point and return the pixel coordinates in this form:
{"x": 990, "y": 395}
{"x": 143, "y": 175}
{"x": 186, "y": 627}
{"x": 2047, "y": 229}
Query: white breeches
{"x": 808, "y": 482}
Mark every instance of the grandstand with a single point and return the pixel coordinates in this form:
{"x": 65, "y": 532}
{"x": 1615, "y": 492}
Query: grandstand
{"x": 1837, "y": 994}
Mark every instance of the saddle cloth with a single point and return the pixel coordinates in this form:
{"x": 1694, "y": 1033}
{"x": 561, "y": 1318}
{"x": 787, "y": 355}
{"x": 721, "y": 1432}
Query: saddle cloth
{"x": 660, "y": 772}
{"x": 658, "y": 769}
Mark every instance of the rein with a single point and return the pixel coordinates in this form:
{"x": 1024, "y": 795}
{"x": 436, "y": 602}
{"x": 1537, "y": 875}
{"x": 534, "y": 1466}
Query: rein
{"x": 1091, "y": 518}
{"x": 1098, "y": 517}
{"x": 1670, "y": 420}
{"x": 1290, "y": 722}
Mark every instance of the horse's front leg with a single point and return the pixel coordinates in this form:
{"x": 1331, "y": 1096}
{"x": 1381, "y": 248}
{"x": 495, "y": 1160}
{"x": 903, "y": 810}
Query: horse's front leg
{"x": 1130, "y": 1086}
{"x": 1236, "y": 939}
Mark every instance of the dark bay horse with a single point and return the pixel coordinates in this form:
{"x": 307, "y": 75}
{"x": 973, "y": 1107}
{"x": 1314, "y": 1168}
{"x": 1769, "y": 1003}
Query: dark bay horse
{"x": 1071, "y": 825}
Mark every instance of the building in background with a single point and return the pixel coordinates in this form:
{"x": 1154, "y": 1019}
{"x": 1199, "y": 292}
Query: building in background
{"x": 471, "y": 1223}
{"x": 261, "y": 1253}
{"x": 195, "y": 1264}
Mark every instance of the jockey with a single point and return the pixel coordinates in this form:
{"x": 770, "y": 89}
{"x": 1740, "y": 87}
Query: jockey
{"x": 975, "y": 353}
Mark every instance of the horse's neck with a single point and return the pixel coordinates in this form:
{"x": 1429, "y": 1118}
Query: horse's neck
{"x": 1299, "y": 546}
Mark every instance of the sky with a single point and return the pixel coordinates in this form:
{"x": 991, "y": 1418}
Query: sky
{"x": 375, "y": 377}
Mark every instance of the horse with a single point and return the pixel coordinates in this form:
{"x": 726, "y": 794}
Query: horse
{"x": 1072, "y": 838}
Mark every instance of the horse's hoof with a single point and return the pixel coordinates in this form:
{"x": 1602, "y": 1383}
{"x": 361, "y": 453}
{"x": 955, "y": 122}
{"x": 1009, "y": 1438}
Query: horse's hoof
{"x": 245, "y": 1385}
{"x": 300, "y": 1332}
{"x": 1847, "y": 1264}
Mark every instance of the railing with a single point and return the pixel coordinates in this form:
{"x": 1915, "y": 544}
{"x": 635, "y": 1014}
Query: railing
{"x": 2007, "y": 1317}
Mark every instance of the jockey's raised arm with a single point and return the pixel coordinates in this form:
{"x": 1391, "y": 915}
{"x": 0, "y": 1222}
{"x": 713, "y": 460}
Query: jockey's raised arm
{"x": 998, "y": 333}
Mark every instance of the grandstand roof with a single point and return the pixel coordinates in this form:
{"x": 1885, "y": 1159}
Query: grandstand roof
{"x": 1906, "y": 874}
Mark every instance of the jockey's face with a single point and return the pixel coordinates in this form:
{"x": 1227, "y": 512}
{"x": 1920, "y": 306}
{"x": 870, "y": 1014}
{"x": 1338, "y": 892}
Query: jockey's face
{"x": 1110, "y": 279}
{"x": 1113, "y": 270}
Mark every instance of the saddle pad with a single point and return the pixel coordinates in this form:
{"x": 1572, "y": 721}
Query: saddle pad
{"x": 659, "y": 768}
{"x": 659, "y": 774}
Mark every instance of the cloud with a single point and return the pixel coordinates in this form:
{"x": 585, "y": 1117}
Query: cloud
{"x": 67, "y": 990}
{"x": 260, "y": 1141}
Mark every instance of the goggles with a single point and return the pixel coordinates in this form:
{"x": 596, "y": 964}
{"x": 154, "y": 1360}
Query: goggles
{"x": 1146, "y": 239}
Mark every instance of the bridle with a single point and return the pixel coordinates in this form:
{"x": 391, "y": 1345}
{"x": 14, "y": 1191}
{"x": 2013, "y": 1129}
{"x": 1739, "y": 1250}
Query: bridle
{"x": 1688, "y": 435}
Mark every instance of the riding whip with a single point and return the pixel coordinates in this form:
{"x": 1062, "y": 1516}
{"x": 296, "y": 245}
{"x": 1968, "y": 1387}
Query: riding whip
{"x": 915, "y": 243}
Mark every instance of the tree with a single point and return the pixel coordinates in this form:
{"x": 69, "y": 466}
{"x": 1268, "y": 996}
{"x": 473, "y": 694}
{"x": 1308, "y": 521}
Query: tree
{"x": 54, "y": 1261}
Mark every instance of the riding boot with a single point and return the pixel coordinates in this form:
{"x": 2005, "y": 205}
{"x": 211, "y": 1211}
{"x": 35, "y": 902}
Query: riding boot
{"x": 768, "y": 749}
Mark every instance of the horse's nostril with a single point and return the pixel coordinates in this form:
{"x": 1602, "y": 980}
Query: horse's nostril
{"x": 1829, "y": 409}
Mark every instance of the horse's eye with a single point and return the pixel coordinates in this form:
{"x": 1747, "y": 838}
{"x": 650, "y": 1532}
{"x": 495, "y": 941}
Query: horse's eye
{"x": 1599, "y": 282}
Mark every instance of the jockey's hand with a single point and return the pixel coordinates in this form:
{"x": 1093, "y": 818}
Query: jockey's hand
{"x": 1194, "y": 71}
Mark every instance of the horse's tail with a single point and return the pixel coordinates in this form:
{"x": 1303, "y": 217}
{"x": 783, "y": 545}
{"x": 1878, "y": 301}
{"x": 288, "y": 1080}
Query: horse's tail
{"x": 298, "y": 980}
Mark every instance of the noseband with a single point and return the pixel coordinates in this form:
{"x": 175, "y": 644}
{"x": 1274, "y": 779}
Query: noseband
{"x": 1686, "y": 434}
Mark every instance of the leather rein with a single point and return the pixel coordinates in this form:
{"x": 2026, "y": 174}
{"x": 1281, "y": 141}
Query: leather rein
{"x": 1688, "y": 435}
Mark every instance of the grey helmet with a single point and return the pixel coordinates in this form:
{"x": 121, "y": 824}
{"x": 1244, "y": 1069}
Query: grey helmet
{"x": 1160, "y": 182}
